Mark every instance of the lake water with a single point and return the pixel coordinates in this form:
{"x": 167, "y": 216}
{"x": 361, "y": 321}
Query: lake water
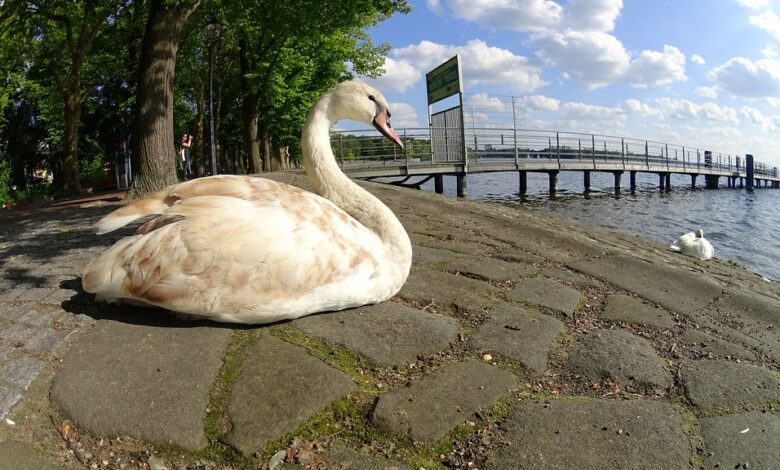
{"x": 740, "y": 224}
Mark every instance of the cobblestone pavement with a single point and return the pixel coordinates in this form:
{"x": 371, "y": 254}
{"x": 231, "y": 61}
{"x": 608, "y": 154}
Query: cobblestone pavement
{"x": 519, "y": 341}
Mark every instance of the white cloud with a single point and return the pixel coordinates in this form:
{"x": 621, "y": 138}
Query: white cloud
{"x": 769, "y": 51}
{"x": 593, "y": 58}
{"x": 403, "y": 115}
{"x": 657, "y": 68}
{"x": 757, "y": 117}
{"x": 742, "y": 77}
{"x": 592, "y": 15}
{"x": 540, "y": 103}
{"x": 753, "y": 4}
{"x": 697, "y": 59}
{"x": 687, "y": 110}
{"x": 769, "y": 22}
{"x": 634, "y": 106}
{"x": 710, "y": 92}
{"x": 482, "y": 64}
{"x": 399, "y": 76}
{"x": 515, "y": 15}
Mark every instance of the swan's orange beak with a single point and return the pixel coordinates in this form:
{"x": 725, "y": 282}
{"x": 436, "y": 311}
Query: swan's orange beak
{"x": 382, "y": 124}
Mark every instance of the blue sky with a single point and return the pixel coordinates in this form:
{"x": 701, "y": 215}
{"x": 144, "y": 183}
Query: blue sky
{"x": 702, "y": 73}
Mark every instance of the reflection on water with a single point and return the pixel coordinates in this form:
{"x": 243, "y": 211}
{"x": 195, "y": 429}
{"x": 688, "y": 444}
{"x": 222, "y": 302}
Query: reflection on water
{"x": 740, "y": 224}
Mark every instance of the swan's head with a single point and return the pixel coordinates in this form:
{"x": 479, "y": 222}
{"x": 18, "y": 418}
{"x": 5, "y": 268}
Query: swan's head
{"x": 362, "y": 103}
{"x": 700, "y": 233}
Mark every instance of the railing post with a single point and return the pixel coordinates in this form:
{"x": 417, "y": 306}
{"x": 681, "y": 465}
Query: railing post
{"x": 605, "y": 151}
{"x": 593, "y": 149}
{"x": 647, "y": 157}
{"x": 406, "y": 153}
{"x": 579, "y": 149}
{"x": 514, "y": 129}
{"x": 623, "y": 152}
{"x": 341, "y": 151}
{"x": 549, "y": 149}
{"x": 667, "y": 156}
{"x": 683, "y": 151}
{"x": 558, "y": 148}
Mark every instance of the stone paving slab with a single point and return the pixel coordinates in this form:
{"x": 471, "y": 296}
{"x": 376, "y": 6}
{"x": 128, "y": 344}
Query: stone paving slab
{"x": 674, "y": 289}
{"x": 456, "y": 246}
{"x": 20, "y": 371}
{"x": 433, "y": 405}
{"x": 547, "y": 293}
{"x": 745, "y": 440}
{"x": 623, "y": 308}
{"x": 592, "y": 434}
{"x": 707, "y": 345}
{"x": 17, "y": 456}
{"x": 424, "y": 255}
{"x": 425, "y": 286}
{"x": 151, "y": 382}
{"x": 726, "y": 383}
{"x": 8, "y": 398}
{"x": 389, "y": 334}
{"x": 620, "y": 356}
{"x": 488, "y": 268}
{"x": 519, "y": 334}
{"x": 565, "y": 275}
{"x": 279, "y": 388}
{"x": 344, "y": 458}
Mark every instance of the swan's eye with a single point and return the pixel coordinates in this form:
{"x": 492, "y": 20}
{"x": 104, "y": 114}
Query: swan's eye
{"x": 388, "y": 114}
{"x": 371, "y": 97}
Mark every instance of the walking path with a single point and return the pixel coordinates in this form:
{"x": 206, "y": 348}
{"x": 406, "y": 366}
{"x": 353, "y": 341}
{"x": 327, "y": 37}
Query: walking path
{"x": 519, "y": 341}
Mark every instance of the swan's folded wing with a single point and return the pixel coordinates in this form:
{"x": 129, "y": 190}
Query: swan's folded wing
{"x": 229, "y": 254}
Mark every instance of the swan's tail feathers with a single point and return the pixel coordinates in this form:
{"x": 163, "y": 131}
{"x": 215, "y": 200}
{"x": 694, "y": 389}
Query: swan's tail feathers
{"x": 674, "y": 247}
{"x": 133, "y": 211}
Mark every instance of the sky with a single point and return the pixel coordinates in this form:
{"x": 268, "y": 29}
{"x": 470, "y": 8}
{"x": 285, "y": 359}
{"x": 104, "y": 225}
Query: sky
{"x": 700, "y": 73}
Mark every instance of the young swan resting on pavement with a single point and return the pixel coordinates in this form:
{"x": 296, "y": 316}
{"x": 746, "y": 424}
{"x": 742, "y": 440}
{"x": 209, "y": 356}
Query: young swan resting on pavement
{"x": 694, "y": 244}
{"x": 251, "y": 250}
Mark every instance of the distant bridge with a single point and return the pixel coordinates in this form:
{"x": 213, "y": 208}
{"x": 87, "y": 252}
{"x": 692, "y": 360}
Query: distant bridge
{"x": 485, "y": 136}
{"x": 439, "y": 152}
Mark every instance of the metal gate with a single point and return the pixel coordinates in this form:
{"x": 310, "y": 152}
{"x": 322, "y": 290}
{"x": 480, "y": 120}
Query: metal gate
{"x": 447, "y": 136}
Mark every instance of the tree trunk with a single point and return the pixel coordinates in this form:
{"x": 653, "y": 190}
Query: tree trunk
{"x": 71, "y": 183}
{"x": 265, "y": 146}
{"x": 199, "y": 151}
{"x": 154, "y": 156}
{"x": 249, "y": 111}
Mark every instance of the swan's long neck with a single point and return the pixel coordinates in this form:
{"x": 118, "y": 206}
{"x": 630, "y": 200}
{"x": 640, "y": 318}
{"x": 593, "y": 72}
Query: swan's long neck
{"x": 330, "y": 182}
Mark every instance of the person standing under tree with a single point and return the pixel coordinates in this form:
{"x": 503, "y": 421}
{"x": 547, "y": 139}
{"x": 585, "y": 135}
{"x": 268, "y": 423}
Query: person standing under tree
{"x": 186, "y": 143}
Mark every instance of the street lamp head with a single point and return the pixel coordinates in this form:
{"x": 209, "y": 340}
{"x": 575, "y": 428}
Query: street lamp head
{"x": 212, "y": 30}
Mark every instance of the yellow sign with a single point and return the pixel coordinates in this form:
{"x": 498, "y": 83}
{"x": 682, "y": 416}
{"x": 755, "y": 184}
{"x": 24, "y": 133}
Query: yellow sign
{"x": 443, "y": 81}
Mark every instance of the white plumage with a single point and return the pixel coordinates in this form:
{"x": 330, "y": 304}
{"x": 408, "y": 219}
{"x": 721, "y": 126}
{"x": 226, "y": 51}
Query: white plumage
{"x": 251, "y": 250}
{"x": 694, "y": 244}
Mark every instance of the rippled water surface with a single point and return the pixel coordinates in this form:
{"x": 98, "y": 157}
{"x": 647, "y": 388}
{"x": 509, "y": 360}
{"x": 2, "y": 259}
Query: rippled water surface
{"x": 739, "y": 224}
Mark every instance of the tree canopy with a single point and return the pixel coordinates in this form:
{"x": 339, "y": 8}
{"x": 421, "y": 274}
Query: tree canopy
{"x": 84, "y": 82}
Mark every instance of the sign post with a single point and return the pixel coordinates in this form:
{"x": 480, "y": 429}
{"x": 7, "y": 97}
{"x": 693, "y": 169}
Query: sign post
{"x": 443, "y": 82}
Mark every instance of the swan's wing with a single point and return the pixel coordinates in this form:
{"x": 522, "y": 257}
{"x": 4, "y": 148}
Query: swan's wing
{"x": 680, "y": 243}
{"x": 225, "y": 255}
{"x": 242, "y": 187}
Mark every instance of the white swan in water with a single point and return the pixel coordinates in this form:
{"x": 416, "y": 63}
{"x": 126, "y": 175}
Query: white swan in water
{"x": 694, "y": 244}
{"x": 251, "y": 250}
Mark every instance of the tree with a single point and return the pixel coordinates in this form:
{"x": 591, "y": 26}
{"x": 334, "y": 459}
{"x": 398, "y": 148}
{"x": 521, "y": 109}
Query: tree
{"x": 153, "y": 150}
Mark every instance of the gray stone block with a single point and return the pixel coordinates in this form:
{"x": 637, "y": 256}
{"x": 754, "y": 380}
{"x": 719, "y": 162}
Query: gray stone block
{"x": 279, "y": 388}
{"x": 433, "y": 405}
{"x": 627, "y": 309}
{"x": 592, "y": 434}
{"x": 17, "y": 456}
{"x": 20, "y": 371}
{"x": 388, "y": 333}
{"x": 745, "y": 440}
{"x": 725, "y": 383}
{"x": 8, "y": 398}
{"x": 707, "y": 345}
{"x": 620, "y": 356}
{"x": 488, "y": 268}
{"x": 448, "y": 290}
{"x": 47, "y": 340}
{"x": 519, "y": 334}
{"x": 674, "y": 289}
{"x": 148, "y": 382}
{"x": 547, "y": 293}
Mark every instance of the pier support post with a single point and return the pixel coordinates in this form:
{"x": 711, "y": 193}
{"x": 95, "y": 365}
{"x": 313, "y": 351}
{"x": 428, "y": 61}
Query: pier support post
{"x": 618, "y": 176}
{"x": 523, "y": 182}
{"x": 553, "y": 175}
{"x": 749, "y": 171}
{"x": 438, "y": 184}
{"x": 668, "y": 181}
{"x": 461, "y": 184}
{"x": 632, "y": 180}
{"x": 661, "y": 181}
{"x": 712, "y": 181}
{"x": 741, "y": 182}
{"x": 586, "y": 180}
{"x": 693, "y": 181}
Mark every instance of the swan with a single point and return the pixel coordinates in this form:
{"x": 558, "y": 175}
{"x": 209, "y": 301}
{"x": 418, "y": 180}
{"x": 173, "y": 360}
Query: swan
{"x": 250, "y": 250}
{"x": 694, "y": 244}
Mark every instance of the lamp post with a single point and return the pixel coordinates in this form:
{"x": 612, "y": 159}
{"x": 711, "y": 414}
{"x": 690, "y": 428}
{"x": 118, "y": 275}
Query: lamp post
{"x": 212, "y": 34}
